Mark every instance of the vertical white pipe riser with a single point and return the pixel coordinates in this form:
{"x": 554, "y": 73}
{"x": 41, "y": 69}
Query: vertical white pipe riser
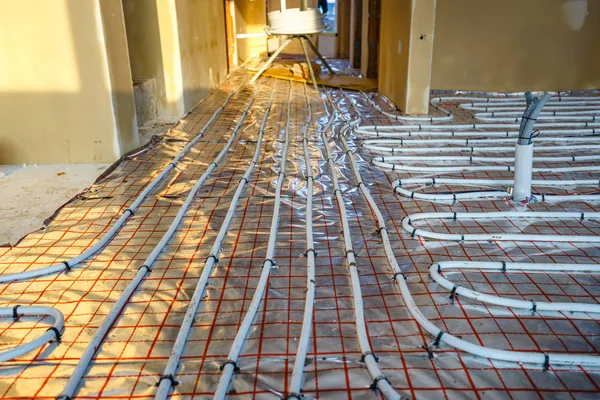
{"x": 523, "y": 171}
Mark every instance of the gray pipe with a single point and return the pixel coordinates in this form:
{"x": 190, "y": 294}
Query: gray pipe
{"x": 534, "y": 107}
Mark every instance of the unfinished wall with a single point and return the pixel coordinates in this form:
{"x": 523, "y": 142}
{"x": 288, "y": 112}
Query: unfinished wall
{"x": 203, "y": 47}
{"x": 63, "y": 97}
{"x": 405, "y": 53}
{"x": 516, "y": 45}
{"x": 181, "y": 44}
{"x": 393, "y": 50}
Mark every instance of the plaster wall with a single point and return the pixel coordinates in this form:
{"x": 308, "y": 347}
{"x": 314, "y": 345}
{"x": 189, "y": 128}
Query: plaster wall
{"x": 63, "y": 97}
{"x": 515, "y": 45}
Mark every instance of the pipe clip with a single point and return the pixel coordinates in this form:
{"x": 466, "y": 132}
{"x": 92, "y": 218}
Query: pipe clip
{"x": 368, "y": 353}
{"x": 15, "y": 315}
{"x": 438, "y": 338}
{"x": 546, "y": 362}
{"x": 310, "y": 250}
{"x": 57, "y": 335}
{"x": 378, "y": 231}
{"x": 376, "y": 381}
{"x": 453, "y": 293}
{"x": 67, "y": 266}
{"x": 213, "y": 257}
{"x": 169, "y": 378}
{"x": 397, "y": 274}
{"x": 294, "y": 395}
{"x": 235, "y": 366}
{"x": 430, "y": 354}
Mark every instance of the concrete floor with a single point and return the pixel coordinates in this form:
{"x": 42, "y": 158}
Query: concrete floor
{"x": 31, "y": 194}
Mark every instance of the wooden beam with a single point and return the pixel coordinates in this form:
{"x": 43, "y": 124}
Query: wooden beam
{"x": 370, "y": 38}
{"x": 356, "y": 11}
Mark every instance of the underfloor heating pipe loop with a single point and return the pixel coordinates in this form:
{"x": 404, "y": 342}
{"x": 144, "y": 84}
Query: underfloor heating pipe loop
{"x": 448, "y": 115}
{"x": 406, "y": 146}
{"x": 537, "y": 358}
{"x": 145, "y": 269}
{"x": 167, "y": 380}
{"x": 230, "y": 366}
{"x": 380, "y": 381}
{"x": 295, "y": 388}
{"x": 400, "y": 187}
{"x": 125, "y": 216}
{"x": 436, "y": 270}
{"x": 407, "y": 224}
{"x": 452, "y": 130}
{"x": 50, "y": 335}
{"x": 524, "y": 147}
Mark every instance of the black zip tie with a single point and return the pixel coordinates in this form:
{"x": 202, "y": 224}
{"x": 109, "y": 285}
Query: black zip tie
{"x": 378, "y": 231}
{"x": 130, "y": 211}
{"x": 57, "y": 334}
{"x": 543, "y": 197}
{"x": 393, "y": 167}
{"x": 273, "y": 263}
{"x": 235, "y": 366}
{"x": 350, "y": 251}
{"x": 174, "y": 164}
{"x": 359, "y": 183}
{"x": 294, "y": 395}
{"x": 462, "y": 238}
{"x": 432, "y": 181}
{"x": 582, "y": 216}
{"x": 368, "y": 353}
{"x": 63, "y": 397}
{"x": 213, "y": 257}
{"x": 503, "y": 266}
{"x": 67, "y": 266}
{"x": 412, "y": 195}
{"x": 169, "y": 378}
{"x": 244, "y": 179}
{"x": 412, "y": 234}
{"x": 453, "y": 293}
{"x": 534, "y": 307}
{"x": 436, "y": 342}
{"x": 546, "y": 362}
{"x": 308, "y": 251}
{"x": 453, "y": 198}
{"x": 148, "y": 269}
{"x": 337, "y": 190}
{"x": 454, "y": 217}
{"x": 15, "y": 315}
{"x": 429, "y": 352}
{"x": 376, "y": 381}
{"x": 395, "y": 278}
{"x": 306, "y": 178}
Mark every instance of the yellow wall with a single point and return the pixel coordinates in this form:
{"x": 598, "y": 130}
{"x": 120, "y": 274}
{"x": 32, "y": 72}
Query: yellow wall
{"x": 180, "y": 44}
{"x": 203, "y": 47}
{"x": 59, "y": 103}
{"x": 516, "y": 45}
{"x": 405, "y": 58}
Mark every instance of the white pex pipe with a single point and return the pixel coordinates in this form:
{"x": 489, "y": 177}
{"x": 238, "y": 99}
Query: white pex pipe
{"x": 454, "y": 129}
{"x": 167, "y": 380}
{"x": 435, "y": 271}
{"x": 230, "y": 366}
{"x": 525, "y": 153}
{"x": 544, "y": 359}
{"x": 399, "y": 187}
{"x": 380, "y": 381}
{"x": 373, "y": 146}
{"x": 107, "y": 237}
{"x": 461, "y": 168}
{"x": 303, "y": 341}
{"x": 144, "y": 270}
{"x": 519, "y": 107}
{"x": 52, "y": 334}
{"x": 408, "y": 221}
{"x": 448, "y": 117}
